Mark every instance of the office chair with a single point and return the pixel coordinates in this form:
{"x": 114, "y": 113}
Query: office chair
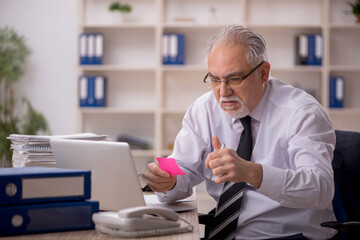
{"x": 346, "y": 202}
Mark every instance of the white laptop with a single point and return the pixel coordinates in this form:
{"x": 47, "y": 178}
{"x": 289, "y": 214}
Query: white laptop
{"x": 114, "y": 180}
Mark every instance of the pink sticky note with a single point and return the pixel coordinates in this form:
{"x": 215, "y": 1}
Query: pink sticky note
{"x": 169, "y": 165}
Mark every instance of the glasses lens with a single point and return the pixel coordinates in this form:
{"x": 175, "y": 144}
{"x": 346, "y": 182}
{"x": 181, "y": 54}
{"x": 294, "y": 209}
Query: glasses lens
{"x": 212, "y": 83}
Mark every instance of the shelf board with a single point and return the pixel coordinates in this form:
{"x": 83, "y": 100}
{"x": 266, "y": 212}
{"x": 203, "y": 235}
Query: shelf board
{"x": 344, "y": 68}
{"x": 143, "y": 153}
{"x": 182, "y": 68}
{"x": 344, "y": 26}
{"x": 282, "y": 26}
{"x": 114, "y": 110}
{"x": 115, "y": 68}
{"x": 344, "y": 111}
{"x": 173, "y": 111}
{"x": 119, "y": 26}
{"x": 192, "y": 25}
{"x": 166, "y": 152}
{"x": 298, "y": 68}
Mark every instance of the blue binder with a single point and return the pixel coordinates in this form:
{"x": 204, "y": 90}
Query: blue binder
{"x": 174, "y": 49}
{"x": 301, "y": 49}
{"x": 99, "y": 49}
{"x": 336, "y": 92}
{"x": 165, "y": 49}
{"x": 47, "y": 217}
{"x": 318, "y": 49}
{"x": 83, "y": 91}
{"x": 92, "y": 91}
{"x": 100, "y": 91}
{"x": 83, "y": 49}
{"x": 90, "y": 49}
{"x": 311, "y": 50}
{"x": 43, "y": 184}
{"x": 90, "y": 102}
{"x": 181, "y": 49}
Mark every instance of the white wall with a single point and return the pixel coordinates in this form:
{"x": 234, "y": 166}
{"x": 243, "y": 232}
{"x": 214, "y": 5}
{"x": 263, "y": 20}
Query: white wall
{"x": 49, "y": 82}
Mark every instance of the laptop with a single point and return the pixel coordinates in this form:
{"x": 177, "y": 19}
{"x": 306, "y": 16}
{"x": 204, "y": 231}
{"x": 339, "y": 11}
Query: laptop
{"x": 114, "y": 180}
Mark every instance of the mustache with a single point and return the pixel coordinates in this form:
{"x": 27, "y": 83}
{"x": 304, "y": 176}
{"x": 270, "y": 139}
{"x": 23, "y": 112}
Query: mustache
{"x": 232, "y": 98}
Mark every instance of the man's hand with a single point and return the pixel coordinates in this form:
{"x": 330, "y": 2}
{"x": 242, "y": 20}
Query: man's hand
{"x": 157, "y": 179}
{"x": 229, "y": 167}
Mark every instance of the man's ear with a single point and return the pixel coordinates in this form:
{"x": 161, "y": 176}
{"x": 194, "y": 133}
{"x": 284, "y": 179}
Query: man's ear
{"x": 265, "y": 72}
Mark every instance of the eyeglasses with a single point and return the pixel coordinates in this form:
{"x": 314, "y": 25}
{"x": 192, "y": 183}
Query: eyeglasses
{"x": 232, "y": 81}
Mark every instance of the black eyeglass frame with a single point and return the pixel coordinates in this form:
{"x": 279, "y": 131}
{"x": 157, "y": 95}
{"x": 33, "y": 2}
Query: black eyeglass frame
{"x": 240, "y": 79}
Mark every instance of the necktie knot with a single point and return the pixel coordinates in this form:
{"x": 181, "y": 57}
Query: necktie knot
{"x": 246, "y": 122}
{"x": 245, "y": 144}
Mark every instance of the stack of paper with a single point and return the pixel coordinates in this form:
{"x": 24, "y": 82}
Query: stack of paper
{"x": 35, "y": 150}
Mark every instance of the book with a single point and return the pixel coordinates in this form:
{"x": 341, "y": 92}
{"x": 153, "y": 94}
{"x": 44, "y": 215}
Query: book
{"x": 43, "y": 184}
{"x": 336, "y": 92}
{"x": 47, "y": 217}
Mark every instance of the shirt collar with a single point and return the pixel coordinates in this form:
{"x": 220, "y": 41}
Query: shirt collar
{"x": 257, "y": 112}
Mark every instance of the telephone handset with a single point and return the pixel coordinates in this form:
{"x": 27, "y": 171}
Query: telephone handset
{"x": 139, "y": 222}
{"x": 144, "y": 218}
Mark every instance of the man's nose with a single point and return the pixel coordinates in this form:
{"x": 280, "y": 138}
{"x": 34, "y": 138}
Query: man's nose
{"x": 225, "y": 89}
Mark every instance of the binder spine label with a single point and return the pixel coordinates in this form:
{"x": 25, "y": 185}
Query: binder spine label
{"x": 52, "y": 187}
{"x": 91, "y": 49}
{"x": 173, "y": 48}
{"x": 99, "y": 51}
{"x": 82, "y": 48}
{"x": 83, "y": 89}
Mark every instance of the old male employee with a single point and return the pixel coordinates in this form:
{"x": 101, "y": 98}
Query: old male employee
{"x": 263, "y": 148}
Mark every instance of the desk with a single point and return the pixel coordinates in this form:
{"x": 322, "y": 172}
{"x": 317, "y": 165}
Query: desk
{"x": 190, "y": 216}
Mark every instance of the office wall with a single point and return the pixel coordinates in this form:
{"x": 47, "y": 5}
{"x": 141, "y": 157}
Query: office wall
{"x": 50, "y": 29}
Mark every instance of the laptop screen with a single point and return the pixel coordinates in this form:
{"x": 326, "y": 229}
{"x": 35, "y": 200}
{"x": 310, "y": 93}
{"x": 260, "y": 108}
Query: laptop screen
{"x": 114, "y": 180}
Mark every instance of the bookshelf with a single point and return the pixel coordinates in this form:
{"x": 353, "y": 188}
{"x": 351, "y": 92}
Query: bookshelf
{"x": 148, "y": 100}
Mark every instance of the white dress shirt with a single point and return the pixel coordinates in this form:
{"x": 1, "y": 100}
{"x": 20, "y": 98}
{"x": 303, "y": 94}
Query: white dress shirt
{"x": 293, "y": 140}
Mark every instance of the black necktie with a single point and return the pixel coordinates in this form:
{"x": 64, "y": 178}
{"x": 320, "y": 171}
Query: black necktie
{"x": 228, "y": 207}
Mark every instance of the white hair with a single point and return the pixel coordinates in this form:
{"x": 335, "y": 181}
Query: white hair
{"x": 232, "y": 35}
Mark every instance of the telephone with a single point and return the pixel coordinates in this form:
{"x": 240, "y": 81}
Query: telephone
{"x": 139, "y": 222}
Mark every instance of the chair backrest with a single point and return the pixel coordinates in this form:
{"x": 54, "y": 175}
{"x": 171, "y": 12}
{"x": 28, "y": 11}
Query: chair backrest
{"x": 346, "y": 165}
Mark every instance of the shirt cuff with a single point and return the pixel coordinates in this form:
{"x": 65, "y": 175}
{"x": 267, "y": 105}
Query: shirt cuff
{"x": 176, "y": 193}
{"x": 272, "y": 182}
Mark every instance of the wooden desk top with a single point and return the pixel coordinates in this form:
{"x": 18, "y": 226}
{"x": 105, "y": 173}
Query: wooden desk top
{"x": 190, "y": 216}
